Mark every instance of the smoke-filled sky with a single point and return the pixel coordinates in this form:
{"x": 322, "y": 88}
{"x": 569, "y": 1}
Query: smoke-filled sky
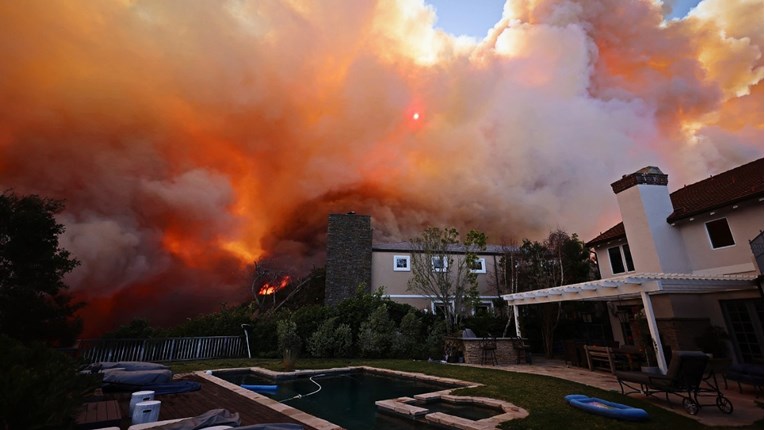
{"x": 189, "y": 138}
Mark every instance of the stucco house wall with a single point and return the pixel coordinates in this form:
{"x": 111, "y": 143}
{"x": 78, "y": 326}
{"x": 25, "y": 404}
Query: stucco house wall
{"x": 396, "y": 282}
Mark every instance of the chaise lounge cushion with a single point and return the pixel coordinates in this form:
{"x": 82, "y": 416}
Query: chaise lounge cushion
{"x": 137, "y": 377}
{"x": 675, "y": 376}
{"x": 211, "y": 418}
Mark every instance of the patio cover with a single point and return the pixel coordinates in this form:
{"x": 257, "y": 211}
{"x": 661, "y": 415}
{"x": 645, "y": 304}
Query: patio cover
{"x": 635, "y": 285}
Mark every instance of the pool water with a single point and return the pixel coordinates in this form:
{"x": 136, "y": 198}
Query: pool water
{"x": 470, "y": 411}
{"x": 345, "y": 399}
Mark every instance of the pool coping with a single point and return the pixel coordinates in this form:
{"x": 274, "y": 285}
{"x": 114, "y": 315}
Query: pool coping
{"x": 399, "y": 406}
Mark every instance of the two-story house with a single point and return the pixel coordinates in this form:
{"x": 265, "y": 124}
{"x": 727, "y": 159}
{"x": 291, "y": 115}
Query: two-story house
{"x": 354, "y": 260}
{"x": 392, "y": 270}
{"x": 683, "y": 261}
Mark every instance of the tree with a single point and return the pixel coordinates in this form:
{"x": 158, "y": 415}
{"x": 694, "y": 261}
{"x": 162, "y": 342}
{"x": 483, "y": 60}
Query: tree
{"x": 438, "y": 274}
{"x": 33, "y": 300}
{"x": 561, "y": 259}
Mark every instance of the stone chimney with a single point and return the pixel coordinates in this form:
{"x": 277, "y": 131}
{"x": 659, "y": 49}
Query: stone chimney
{"x": 644, "y": 203}
{"x": 349, "y": 256}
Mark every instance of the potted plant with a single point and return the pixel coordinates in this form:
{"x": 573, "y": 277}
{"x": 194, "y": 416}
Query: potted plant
{"x": 289, "y": 343}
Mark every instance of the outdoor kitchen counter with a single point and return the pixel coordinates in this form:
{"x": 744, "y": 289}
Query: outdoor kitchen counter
{"x": 472, "y": 348}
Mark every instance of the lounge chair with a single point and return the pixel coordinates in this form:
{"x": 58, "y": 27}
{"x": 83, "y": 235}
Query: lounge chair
{"x": 136, "y": 375}
{"x": 214, "y": 418}
{"x": 686, "y": 372}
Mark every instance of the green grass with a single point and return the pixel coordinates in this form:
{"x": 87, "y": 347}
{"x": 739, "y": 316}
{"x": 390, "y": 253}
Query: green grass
{"x": 542, "y": 396}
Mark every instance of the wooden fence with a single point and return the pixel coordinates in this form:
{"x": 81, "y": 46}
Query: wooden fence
{"x": 162, "y": 349}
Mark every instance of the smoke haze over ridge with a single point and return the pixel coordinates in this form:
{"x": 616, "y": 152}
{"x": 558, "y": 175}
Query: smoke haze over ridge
{"x": 190, "y": 137}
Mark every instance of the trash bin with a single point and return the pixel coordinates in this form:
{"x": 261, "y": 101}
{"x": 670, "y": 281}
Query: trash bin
{"x": 140, "y": 396}
{"x": 146, "y": 412}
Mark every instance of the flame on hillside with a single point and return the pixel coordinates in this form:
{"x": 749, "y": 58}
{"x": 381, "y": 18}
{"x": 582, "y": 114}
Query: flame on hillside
{"x": 272, "y": 287}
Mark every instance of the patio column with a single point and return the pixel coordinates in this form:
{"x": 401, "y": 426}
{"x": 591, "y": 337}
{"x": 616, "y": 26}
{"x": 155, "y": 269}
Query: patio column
{"x": 654, "y": 329}
{"x": 517, "y": 325}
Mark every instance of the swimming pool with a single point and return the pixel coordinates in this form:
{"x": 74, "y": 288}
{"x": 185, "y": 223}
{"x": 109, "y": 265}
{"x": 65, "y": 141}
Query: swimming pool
{"x": 368, "y": 398}
{"x": 347, "y": 398}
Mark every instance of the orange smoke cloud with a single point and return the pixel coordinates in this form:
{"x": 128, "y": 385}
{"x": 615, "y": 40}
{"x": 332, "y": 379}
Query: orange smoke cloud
{"x": 189, "y": 138}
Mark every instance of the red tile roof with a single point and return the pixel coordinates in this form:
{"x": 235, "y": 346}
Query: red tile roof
{"x": 727, "y": 188}
{"x": 614, "y": 232}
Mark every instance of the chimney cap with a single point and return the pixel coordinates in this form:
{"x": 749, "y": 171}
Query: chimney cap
{"x": 649, "y": 175}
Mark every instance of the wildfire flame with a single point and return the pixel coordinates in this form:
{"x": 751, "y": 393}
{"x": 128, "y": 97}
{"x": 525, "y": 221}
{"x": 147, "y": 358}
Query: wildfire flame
{"x": 272, "y": 287}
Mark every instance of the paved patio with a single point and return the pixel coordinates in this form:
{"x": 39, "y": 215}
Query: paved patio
{"x": 747, "y": 406}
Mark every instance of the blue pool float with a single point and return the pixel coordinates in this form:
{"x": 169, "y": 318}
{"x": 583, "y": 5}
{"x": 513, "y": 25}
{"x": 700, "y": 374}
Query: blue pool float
{"x": 260, "y": 388}
{"x": 605, "y": 408}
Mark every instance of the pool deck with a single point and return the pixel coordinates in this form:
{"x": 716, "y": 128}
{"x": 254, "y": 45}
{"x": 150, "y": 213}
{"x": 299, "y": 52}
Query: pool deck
{"x": 254, "y": 409}
{"x": 747, "y": 406}
{"x": 211, "y": 396}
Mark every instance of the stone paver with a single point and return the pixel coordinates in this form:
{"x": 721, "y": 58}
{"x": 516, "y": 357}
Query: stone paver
{"x": 747, "y": 406}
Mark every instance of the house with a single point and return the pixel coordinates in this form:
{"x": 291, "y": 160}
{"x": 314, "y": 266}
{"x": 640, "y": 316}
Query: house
{"x": 680, "y": 262}
{"x": 392, "y": 270}
{"x": 353, "y": 260}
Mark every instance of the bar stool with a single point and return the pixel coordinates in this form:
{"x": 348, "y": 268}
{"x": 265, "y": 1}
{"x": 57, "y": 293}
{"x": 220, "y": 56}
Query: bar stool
{"x": 488, "y": 352}
{"x": 521, "y": 350}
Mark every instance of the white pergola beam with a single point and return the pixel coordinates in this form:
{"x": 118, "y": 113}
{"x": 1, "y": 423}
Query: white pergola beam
{"x": 654, "y": 329}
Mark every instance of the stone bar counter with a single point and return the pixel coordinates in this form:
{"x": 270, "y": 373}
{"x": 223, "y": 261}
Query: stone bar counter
{"x": 506, "y": 353}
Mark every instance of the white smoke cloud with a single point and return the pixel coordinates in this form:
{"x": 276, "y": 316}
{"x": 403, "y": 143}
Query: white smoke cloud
{"x": 189, "y": 138}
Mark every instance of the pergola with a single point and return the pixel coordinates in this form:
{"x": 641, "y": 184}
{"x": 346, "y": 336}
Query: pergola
{"x": 631, "y": 286}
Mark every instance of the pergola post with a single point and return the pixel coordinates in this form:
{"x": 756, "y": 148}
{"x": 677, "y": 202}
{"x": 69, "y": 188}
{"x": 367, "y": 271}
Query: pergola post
{"x": 517, "y": 321}
{"x": 654, "y": 329}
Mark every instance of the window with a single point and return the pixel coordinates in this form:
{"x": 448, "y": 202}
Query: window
{"x": 439, "y": 264}
{"x": 621, "y": 259}
{"x": 719, "y": 233}
{"x": 478, "y": 266}
{"x": 401, "y": 263}
{"x": 743, "y": 319}
{"x": 439, "y": 308}
{"x": 483, "y": 308}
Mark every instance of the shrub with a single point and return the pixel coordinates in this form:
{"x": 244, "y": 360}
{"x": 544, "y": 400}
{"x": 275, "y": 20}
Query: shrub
{"x": 226, "y": 322}
{"x": 289, "y": 342}
{"x": 135, "y": 329}
{"x": 407, "y": 340}
{"x": 486, "y": 325}
{"x": 263, "y": 338}
{"x": 376, "y": 333}
{"x": 308, "y": 319}
{"x": 39, "y": 387}
{"x": 435, "y": 340}
{"x": 343, "y": 341}
{"x": 358, "y": 308}
{"x": 322, "y": 342}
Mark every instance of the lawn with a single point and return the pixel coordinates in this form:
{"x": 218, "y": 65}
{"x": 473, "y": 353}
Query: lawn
{"x": 542, "y": 396}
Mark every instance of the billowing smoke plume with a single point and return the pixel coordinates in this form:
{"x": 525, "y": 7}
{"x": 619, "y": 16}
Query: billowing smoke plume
{"x": 189, "y": 138}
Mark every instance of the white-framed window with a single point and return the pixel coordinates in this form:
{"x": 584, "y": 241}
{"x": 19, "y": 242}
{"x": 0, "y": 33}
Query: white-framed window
{"x": 440, "y": 263}
{"x": 439, "y": 308}
{"x": 621, "y": 259}
{"x": 485, "y": 307}
{"x": 401, "y": 263}
{"x": 478, "y": 266}
{"x": 719, "y": 233}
